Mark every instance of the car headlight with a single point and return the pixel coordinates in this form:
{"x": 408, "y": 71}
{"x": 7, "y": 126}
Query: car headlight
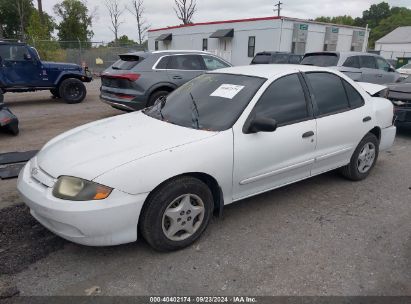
{"x": 77, "y": 189}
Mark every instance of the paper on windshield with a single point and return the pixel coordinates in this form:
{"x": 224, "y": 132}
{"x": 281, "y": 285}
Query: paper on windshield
{"x": 227, "y": 91}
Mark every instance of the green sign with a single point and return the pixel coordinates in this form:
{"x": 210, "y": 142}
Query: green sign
{"x": 335, "y": 30}
{"x": 303, "y": 27}
{"x": 361, "y": 34}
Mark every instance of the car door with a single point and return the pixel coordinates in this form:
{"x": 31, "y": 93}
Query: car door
{"x": 370, "y": 72}
{"x": 266, "y": 160}
{"x": 18, "y": 66}
{"x": 342, "y": 119}
{"x": 385, "y": 72}
{"x": 183, "y": 68}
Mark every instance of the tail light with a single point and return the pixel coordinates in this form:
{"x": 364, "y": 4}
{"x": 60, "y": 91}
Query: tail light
{"x": 127, "y": 76}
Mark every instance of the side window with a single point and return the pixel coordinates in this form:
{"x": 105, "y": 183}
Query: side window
{"x": 284, "y": 101}
{"x": 162, "y": 64}
{"x": 352, "y": 62}
{"x": 382, "y": 64}
{"x": 328, "y": 92}
{"x": 13, "y": 52}
{"x": 354, "y": 98}
{"x": 185, "y": 62}
{"x": 251, "y": 46}
{"x": 294, "y": 59}
{"x": 368, "y": 62}
{"x": 205, "y": 44}
{"x": 212, "y": 63}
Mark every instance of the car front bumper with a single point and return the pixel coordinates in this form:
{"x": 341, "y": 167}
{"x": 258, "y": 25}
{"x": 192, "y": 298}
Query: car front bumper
{"x": 107, "y": 222}
{"x": 402, "y": 116}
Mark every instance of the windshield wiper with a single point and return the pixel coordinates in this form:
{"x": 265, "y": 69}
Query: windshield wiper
{"x": 194, "y": 113}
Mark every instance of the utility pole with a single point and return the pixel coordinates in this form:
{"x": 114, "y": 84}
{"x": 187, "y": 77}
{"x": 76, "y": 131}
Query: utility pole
{"x": 278, "y": 9}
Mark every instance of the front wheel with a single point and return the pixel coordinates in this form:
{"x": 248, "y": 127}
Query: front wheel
{"x": 363, "y": 160}
{"x": 156, "y": 96}
{"x": 72, "y": 90}
{"x": 176, "y": 214}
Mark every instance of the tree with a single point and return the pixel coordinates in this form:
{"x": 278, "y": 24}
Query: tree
{"x": 122, "y": 41}
{"x": 76, "y": 22}
{"x": 115, "y": 11}
{"x": 185, "y": 10}
{"x": 376, "y": 14}
{"x": 346, "y": 20}
{"x": 137, "y": 9}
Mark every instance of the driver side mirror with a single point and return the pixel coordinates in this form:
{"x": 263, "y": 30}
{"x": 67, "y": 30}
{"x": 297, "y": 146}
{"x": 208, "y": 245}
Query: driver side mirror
{"x": 261, "y": 124}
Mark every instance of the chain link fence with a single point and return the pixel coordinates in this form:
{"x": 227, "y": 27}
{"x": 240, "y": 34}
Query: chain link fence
{"x": 97, "y": 56}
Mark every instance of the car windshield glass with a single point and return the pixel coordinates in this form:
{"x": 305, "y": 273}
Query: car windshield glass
{"x": 280, "y": 58}
{"x": 261, "y": 59}
{"x": 407, "y": 66}
{"x": 406, "y": 80}
{"x": 321, "y": 60}
{"x": 127, "y": 62}
{"x": 209, "y": 102}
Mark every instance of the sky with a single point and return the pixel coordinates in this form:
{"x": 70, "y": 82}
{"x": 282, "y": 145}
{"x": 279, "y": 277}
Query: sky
{"x": 159, "y": 13}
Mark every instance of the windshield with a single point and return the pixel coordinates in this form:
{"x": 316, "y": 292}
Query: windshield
{"x": 321, "y": 60}
{"x": 209, "y": 102}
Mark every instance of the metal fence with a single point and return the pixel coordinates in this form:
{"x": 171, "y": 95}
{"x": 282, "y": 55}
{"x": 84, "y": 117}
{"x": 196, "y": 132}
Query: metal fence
{"x": 97, "y": 56}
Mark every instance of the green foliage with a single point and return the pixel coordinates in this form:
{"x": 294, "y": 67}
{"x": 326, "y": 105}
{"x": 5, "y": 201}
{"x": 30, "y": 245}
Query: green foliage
{"x": 10, "y": 21}
{"x": 381, "y": 19}
{"x": 75, "y": 24}
{"x": 122, "y": 41}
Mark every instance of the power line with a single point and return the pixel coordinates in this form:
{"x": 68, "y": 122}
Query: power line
{"x": 278, "y": 9}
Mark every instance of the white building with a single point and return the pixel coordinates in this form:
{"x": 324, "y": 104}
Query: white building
{"x": 395, "y": 44}
{"x": 238, "y": 40}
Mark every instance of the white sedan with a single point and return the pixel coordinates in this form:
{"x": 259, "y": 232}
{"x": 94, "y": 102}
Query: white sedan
{"x": 222, "y": 137}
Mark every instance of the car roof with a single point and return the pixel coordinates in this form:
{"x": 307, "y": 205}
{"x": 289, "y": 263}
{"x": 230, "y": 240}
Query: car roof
{"x": 345, "y": 54}
{"x": 179, "y": 52}
{"x": 270, "y": 70}
{"x": 275, "y": 53}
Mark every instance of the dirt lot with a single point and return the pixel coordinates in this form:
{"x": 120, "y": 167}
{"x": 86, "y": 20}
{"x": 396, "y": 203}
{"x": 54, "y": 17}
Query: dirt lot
{"x": 323, "y": 236}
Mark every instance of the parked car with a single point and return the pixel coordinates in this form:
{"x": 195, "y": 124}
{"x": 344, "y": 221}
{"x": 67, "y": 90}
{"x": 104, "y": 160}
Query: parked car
{"x": 365, "y": 67}
{"x": 405, "y": 70}
{"x": 276, "y": 57}
{"x": 21, "y": 70}
{"x": 8, "y": 121}
{"x": 400, "y": 94}
{"x": 164, "y": 170}
{"x": 138, "y": 79}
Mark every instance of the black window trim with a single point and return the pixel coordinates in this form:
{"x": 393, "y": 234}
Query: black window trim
{"x": 314, "y": 103}
{"x": 308, "y": 102}
{"x": 251, "y": 46}
{"x": 188, "y": 54}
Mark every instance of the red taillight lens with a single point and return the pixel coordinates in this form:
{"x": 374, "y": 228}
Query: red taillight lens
{"x": 128, "y": 76}
{"x": 124, "y": 96}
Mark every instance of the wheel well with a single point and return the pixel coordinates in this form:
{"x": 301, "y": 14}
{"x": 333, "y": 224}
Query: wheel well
{"x": 377, "y": 132}
{"x": 210, "y": 181}
{"x": 162, "y": 88}
{"x": 67, "y": 77}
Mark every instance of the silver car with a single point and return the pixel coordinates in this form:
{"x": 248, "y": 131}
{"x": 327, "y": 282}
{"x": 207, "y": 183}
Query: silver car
{"x": 364, "y": 67}
{"x": 137, "y": 80}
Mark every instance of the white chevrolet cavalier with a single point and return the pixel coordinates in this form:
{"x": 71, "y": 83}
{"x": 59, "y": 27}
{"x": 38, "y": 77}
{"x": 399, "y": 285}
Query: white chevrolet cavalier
{"x": 220, "y": 138}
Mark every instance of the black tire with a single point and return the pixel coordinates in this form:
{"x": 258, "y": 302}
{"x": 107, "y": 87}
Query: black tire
{"x": 153, "y": 213}
{"x": 1, "y": 97}
{"x": 72, "y": 90}
{"x": 352, "y": 171}
{"x": 13, "y": 128}
{"x": 155, "y": 96}
{"x": 55, "y": 93}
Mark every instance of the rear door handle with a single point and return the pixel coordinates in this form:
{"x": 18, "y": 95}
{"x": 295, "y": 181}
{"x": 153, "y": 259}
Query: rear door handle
{"x": 308, "y": 134}
{"x": 177, "y": 77}
{"x": 379, "y": 75}
{"x": 365, "y": 119}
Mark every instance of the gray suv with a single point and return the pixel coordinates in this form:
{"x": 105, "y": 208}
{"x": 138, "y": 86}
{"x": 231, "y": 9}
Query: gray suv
{"x": 137, "y": 80}
{"x": 364, "y": 67}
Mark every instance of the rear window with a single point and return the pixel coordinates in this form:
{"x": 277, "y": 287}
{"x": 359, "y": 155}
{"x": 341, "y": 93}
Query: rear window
{"x": 280, "y": 58}
{"x": 127, "y": 62}
{"x": 261, "y": 59}
{"x": 321, "y": 60}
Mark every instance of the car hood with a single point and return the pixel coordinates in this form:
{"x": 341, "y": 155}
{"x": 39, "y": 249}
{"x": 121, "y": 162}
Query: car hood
{"x": 62, "y": 66}
{"x": 99, "y": 147}
{"x": 400, "y": 87}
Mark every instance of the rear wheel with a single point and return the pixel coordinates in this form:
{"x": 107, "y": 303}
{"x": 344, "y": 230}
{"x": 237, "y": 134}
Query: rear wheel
{"x": 363, "y": 160}
{"x": 176, "y": 214}
{"x": 155, "y": 96}
{"x": 72, "y": 90}
{"x": 55, "y": 93}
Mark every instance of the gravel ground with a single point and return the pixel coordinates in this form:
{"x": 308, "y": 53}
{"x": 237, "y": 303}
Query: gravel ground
{"x": 322, "y": 236}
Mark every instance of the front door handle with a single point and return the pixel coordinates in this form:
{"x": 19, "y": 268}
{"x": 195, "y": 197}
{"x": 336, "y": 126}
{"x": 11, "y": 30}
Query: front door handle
{"x": 365, "y": 119}
{"x": 177, "y": 77}
{"x": 308, "y": 134}
{"x": 379, "y": 75}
